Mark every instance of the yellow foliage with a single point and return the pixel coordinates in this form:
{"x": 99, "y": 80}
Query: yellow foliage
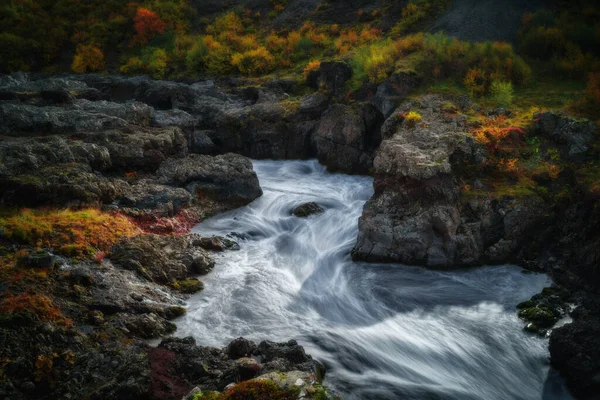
{"x": 253, "y": 62}
{"x": 413, "y": 118}
{"x": 87, "y": 58}
{"x": 68, "y": 232}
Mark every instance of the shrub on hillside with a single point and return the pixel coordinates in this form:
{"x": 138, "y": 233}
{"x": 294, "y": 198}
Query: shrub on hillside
{"x": 253, "y": 62}
{"x": 87, "y": 58}
{"x": 147, "y": 25}
{"x": 502, "y": 92}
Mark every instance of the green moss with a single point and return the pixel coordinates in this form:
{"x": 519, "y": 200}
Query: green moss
{"x": 541, "y": 316}
{"x": 525, "y": 304}
{"x": 190, "y": 285}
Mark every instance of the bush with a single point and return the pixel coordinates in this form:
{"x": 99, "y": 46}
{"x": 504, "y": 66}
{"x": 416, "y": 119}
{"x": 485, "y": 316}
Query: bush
{"x": 253, "y": 62}
{"x": 195, "y": 59}
{"x": 158, "y": 63}
{"x": 147, "y": 25}
{"x": 412, "y": 119}
{"x": 475, "y": 81}
{"x": 87, "y": 59}
{"x": 502, "y": 92}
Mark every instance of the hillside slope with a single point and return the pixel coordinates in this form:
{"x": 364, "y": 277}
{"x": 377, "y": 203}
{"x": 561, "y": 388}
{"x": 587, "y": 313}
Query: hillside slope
{"x": 480, "y": 20}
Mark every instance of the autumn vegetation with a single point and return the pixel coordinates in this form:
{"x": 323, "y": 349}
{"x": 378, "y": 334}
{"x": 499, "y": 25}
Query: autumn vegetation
{"x": 73, "y": 233}
{"x": 165, "y": 39}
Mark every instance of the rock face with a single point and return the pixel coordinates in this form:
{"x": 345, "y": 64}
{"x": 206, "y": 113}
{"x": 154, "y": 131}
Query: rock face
{"x": 103, "y": 149}
{"x": 575, "y": 351}
{"x": 347, "y": 137}
{"x": 417, "y": 215}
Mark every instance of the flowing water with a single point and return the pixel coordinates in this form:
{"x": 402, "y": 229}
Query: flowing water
{"x": 383, "y": 331}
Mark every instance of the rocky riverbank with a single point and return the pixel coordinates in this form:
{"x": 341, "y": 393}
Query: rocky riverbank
{"x": 160, "y": 156}
{"x": 137, "y": 163}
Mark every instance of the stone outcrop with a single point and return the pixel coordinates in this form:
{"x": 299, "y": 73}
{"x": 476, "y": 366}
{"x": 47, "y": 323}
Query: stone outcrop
{"x": 417, "y": 215}
{"x": 163, "y": 259}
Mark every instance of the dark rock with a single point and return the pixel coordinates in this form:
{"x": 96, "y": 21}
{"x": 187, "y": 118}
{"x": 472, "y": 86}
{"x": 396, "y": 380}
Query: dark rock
{"x": 38, "y": 260}
{"x": 162, "y": 259}
{"x": 340, "y": 140}
{"x": 148, "y": 198}
{"x": 217, "y": 243}
{"x": 227, "y": 178}
{"x": 391, "y": 93}
{"x": 23, "y": 118}
{"x": 57, "y": 96}
{"x": 60, "y": 185}
{"x": 175, "y": 117}
{"x": 417, "y": 216}
{"x": 201, "y": 142}
{"x": 573, "y": 135}
{"x": 240, "y": 347}
{"x": 331, "y": 76}
{"x": 306, "y": 209}
{"x": 146, "y": 326}
{"x": 138, "y": 148}
{"x": 575, "y": 352}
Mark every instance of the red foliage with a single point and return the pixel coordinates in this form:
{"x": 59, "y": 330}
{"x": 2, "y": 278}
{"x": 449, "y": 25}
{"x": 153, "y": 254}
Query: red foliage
{"x": 180, "y": 224}
{"x": 147, "y": 25}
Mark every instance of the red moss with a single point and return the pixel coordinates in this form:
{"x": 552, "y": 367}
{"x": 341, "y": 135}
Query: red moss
{"x": 180, "y": 224}
{"x": 166, "y": 383}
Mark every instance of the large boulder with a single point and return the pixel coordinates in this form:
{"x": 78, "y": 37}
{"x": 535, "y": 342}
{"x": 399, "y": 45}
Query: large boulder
{"x": 149, "y": 198}
{"x": 227, "y": 178}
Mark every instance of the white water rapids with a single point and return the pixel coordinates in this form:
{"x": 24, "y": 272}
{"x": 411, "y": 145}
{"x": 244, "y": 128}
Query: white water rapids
{"x": 383, "y": 331}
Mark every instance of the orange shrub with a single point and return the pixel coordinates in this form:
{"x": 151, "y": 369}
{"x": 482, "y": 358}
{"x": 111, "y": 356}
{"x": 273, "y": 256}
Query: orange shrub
{"x": 42, "y": 306}
{"x": 475, "y": 81}
{"x": 147, "y": 25}
{"x": 313, "y": 65}
{"x": 87, "y": 58}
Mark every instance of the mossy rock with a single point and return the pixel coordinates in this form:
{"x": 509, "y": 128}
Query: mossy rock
{"x": 189, "y": 286}
{"x": 307, "y": 209}
{"x": 525, "y": 304}
{"x": 542, "y": 317}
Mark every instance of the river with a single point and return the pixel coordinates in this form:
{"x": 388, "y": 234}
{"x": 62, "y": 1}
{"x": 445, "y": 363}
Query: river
{"x": 383, "y": 331}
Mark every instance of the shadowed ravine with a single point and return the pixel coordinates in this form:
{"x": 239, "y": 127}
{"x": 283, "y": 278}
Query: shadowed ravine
{"x": 384, "y": 331}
